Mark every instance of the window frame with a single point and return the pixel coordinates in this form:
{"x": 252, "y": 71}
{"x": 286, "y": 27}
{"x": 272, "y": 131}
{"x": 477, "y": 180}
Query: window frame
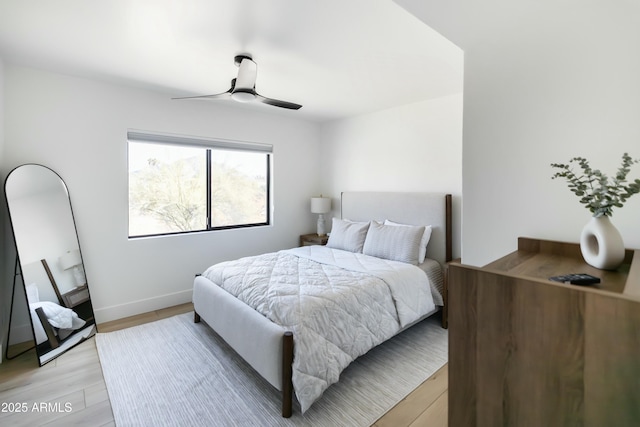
{"x": 209, "y": 145}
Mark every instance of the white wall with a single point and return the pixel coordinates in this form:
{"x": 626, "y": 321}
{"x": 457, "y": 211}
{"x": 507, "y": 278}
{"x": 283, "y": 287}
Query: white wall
{"x": 544, "y": 81}
{"x": 415, "y": 147}
{"x": 5, "y": 274}
{"x": 78, "y": 128}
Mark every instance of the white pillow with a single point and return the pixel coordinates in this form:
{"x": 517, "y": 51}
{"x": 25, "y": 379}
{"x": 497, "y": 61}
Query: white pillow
{"x": 423, "y": 243}
{"x": 347, "y": 235}
{"x": 393, "y": 243}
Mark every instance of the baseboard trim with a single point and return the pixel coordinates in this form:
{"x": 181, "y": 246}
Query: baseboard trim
{"x": 115, "y": 312}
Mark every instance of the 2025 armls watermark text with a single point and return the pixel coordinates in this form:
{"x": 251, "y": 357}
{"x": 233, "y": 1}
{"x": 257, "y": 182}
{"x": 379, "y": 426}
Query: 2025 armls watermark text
{"x": 46, "y": 407}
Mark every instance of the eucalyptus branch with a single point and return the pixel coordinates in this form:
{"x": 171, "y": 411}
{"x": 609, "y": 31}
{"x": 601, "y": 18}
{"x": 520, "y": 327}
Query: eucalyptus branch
{"x": 593, "y": 187}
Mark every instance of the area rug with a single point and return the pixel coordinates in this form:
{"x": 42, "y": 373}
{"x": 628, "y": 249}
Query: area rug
{"x": 174, "y": 372}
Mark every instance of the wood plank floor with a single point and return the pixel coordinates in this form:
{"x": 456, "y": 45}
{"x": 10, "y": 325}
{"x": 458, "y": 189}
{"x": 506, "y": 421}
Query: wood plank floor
{"x": 70, "y": 390}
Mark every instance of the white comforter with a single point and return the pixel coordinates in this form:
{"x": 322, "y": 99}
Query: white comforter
{"x": 338, "y": 304}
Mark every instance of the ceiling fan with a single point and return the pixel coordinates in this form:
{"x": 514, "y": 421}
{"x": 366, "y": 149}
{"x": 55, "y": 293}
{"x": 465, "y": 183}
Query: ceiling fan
{"x": 243, "y": 88}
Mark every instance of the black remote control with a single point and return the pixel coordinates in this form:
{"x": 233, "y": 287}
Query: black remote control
{"x": 581, "y": 279}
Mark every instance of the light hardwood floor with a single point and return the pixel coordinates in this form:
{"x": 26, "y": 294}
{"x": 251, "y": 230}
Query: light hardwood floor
{"x": 70, "y": 390}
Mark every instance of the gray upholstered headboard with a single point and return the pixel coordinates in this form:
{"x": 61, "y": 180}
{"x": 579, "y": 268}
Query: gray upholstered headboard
{"x": 408, "y": 208}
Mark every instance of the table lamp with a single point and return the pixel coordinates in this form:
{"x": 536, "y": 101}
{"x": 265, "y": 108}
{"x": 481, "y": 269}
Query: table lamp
{"x": 72, "y": 260}
{"x": 321, "y": 205}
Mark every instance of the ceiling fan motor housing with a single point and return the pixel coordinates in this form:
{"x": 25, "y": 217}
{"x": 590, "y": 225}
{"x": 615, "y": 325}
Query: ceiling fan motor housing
{"x": 238, "y": 59}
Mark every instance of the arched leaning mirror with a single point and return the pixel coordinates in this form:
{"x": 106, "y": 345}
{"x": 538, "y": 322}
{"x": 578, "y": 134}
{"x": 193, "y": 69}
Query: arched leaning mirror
{"x": 49, "y": 264}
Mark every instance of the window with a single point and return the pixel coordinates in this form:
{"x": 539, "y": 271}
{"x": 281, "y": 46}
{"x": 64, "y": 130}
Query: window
{"x": 183, "y": 184}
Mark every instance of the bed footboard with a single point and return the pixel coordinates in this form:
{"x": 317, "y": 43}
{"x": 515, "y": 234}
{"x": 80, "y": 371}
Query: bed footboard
{"x": 267, "y": 347}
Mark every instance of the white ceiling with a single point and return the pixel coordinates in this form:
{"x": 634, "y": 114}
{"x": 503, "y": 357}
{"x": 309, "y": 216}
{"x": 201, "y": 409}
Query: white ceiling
{"x": 337, "y": 58}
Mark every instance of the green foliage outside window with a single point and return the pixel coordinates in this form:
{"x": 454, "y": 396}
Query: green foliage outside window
{"x": 170, "y": 195}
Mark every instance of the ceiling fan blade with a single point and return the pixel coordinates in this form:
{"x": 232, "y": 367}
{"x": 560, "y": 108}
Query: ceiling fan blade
{"x": 247, "y": 74}
{"x": 278, "y": 103}
{"x": 223, "y": 95}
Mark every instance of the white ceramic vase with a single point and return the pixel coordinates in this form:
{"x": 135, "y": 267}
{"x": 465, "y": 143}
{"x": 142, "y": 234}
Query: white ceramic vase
{"x": 601, "y": 244}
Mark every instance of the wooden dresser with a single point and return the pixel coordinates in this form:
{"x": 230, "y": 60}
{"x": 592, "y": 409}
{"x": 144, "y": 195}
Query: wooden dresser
{"x": 526, "y": 351}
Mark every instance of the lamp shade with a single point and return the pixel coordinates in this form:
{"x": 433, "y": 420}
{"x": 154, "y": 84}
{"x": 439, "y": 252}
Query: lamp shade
{"x": 70, "y": 259}
{"x": 320, "y": 205}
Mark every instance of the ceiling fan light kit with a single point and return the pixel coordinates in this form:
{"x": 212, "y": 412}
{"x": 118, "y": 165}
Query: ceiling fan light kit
{"x": 243, "y": 87}
{"x": 243, "y": 95}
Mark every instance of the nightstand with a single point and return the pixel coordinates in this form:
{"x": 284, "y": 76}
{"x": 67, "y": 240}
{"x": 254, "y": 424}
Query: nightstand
{"x": 78, "y": 300}
{"x": 313, "y": 239}
{"x": 76, "y": 296}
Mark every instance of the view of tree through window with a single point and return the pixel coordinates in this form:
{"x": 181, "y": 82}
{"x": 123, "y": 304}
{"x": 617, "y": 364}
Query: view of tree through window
{"x": 169, "y": 189}
{"x": 238, "y": 188}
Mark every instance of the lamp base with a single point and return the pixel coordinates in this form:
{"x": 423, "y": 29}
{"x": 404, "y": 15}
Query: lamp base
{"x": 322, "y": 231}
{"x": 78, "y": 276}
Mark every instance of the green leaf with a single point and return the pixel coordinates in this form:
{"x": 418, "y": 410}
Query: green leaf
{"x": 594, "y": 188}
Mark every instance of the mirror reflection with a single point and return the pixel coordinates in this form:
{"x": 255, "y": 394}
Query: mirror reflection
{"x": 50, "y": 261}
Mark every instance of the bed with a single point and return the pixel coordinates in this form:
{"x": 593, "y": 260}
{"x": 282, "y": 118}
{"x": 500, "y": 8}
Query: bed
{"x": 336, "y": 301}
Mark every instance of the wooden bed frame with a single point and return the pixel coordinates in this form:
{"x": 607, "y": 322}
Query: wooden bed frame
{"x": 281, "y": 342}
